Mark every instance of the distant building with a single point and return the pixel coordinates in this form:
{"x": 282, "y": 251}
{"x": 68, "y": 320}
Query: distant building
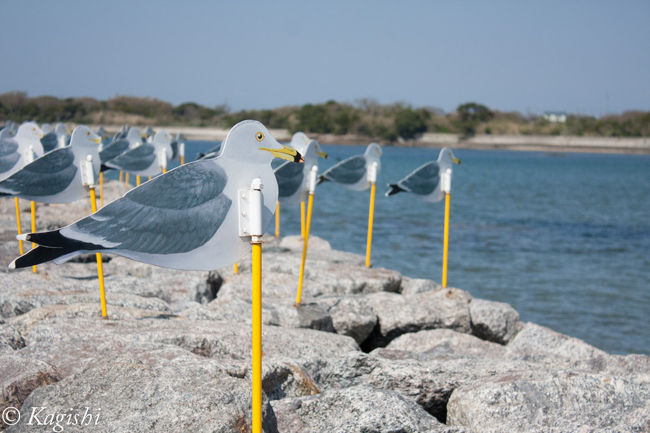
{"x": 555, "y": 116}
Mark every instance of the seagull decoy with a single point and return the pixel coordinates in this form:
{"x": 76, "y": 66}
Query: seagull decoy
{"x": 214, "y": 151}
{"x": 144, "y": 159}
{"x": 431, "y": 182}
{"x": 352, "y": 172}
{"x": 133, "y": 138}
{"x": 16, "y": 151}
{"x": 425, "y": 181}
{"x": 186, "y": 218}
{"x": 292, "y": 177}
{"x": 57, "y": 137}
{"x": 56, "y": 176}
{"x": 359, "y": 173}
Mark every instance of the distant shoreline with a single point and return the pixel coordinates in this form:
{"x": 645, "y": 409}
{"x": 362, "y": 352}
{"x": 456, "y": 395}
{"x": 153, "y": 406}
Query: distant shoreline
{"x": 550, "y": 143}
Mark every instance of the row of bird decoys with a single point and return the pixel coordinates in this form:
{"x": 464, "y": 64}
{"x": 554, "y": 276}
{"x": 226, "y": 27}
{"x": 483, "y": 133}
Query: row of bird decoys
{"x": 55, "y": 176}
{"x": 199, "y": 215}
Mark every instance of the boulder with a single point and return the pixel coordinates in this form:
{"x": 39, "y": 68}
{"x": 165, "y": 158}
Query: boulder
{"x": 19, "y": 376}
{"x": 559, "y": 401}
{"x": 165, "y": 390}
{"x": 399, "y": 314}
{"x": 493, "y": 321}
{"x": 446, "y": 342}
{"x": 351, "y": 315}
{"x": 10, "y": 338}
{"x": 355, "y": 409}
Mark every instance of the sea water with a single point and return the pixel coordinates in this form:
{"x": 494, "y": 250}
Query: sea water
{"x": 562, "y": 237}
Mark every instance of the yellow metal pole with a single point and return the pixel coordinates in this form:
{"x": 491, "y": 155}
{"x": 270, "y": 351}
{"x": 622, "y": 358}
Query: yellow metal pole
{"x": 371, "y": 215}
{"x": 302, "y": 219}
{"x": 257, "y": 338}
{"x": 446, "y": 242}
{"x": 126, "y": 178}
{"x": 33, "y": 206}
{"x": 235, "y": 268}
{"x": 137, "y": 181}
{"x": 121, "y": 176}
{"x": 20, "y": 230}
{"x": 182, "y": 160}
{"x": 277, "y": 220}
{"x": 101, "y": 189}
{"x": 304, "y": 248}
{"x": 98, "y": 256}
{"x": 164, "y": 171}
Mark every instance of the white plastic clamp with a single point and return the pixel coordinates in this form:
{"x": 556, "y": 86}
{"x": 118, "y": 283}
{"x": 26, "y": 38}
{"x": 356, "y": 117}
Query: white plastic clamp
{"x": 445, "y": 181}
{"x": 87, "y": 172}
{"x": 250, "y": 210}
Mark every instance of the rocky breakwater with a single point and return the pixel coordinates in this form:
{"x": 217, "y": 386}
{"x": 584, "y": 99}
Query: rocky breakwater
{"x": 368, "y": 350}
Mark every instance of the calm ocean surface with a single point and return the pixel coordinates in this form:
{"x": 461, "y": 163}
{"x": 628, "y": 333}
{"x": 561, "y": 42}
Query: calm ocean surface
{"x": 563, "y": 238}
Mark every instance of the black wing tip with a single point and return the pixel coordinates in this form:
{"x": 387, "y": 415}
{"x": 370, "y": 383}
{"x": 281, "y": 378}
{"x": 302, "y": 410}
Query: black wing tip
{"x": 394, "y": 189}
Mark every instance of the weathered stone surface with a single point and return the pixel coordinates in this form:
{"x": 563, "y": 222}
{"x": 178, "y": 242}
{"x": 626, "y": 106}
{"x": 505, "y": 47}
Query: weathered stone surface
{"x": 560, "y": 401}
{"x": 10, "y": 338}
{"x": 73, "y": 345}
{"x": 537, "y": 340}
{"x": 162, "y": 390}
{"x": 446, "y": 342}
{"x": 493, "y": 321}
{"x": 354, "y": 409}
{"x": 399, "y": 314}
{"x": 351, "y": 316}
{"x": 19, "y": 376}
{"x": 411, "y": 286}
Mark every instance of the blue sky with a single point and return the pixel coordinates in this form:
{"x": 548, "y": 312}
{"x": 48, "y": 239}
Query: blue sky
{"x": 589, "y": 57}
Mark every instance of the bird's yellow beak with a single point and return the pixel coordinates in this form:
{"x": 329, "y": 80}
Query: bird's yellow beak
{"x": 456, "y": 160}
{"x": 285, "y": 153}
{"x": 96, "y": 140}
{"x": 322, "y": 154}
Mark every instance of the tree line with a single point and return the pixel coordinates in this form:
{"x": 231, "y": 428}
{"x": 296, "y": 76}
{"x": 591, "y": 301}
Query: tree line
{"x": 366, "y": 117}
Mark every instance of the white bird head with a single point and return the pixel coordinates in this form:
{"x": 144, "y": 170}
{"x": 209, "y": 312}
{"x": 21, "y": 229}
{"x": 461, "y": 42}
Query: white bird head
{"x": 29, "y": 131}
{"x": 446, "y": 156}
{"x": 134, "y": 137}
{"x": 163, "y": 140}
{"x": 300, "y": 141}
{"x": 84, "y": 137}
{"x": 251, "y": 141}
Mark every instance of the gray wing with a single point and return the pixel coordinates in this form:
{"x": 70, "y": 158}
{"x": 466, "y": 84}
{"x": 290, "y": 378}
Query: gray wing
{"x": 348, "y": 172}
{"x": 47, "y": 175}
{"x": 9, "y": 155}
{"x": 136, "y": 159}
{"x": 174, "y": 213}
{"x": 423, "y": 180}
{"x": 290, "y": 177}
{"x": 114, "y": 149}
{"x": 49, "y": 141}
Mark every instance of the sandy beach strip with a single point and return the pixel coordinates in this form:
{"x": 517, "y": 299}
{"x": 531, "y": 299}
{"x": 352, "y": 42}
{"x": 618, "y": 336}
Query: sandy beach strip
{"x": 551, "y": 143}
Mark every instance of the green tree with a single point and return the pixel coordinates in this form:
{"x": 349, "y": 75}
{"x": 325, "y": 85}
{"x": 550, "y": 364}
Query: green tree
{"x": 410, "y": 123}
{"x": 470, "y": 114}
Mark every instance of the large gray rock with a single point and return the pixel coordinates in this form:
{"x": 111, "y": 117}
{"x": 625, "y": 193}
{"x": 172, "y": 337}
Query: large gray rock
{"x": 10, "y": 338}
{"x": 560, "y": 401}
{"x": 411, "y": 286}
{"x": 354, "y": 409}
{"x": 351, "y": 315}
{"x": 19, "y": 376}
{"x": 400, "y": 314}
{"x": 166, "y": 390}
{"x": 73, "y": 345}
{"x": 539, "y": 341}
{"x": 493, "y": 321}
{"x": 446, "y": 342}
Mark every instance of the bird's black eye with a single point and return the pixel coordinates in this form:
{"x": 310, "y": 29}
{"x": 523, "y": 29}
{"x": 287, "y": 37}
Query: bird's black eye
{"x": 259, "y": 136}
{"x": 88, "y": 133}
